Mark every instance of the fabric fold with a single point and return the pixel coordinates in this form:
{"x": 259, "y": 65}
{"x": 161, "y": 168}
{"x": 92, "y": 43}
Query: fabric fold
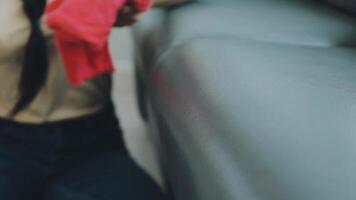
{"x": 82, "y": 29}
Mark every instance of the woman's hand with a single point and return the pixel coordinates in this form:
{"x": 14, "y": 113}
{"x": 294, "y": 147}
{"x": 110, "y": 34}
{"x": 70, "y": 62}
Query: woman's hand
{"x": 127, "y": 15}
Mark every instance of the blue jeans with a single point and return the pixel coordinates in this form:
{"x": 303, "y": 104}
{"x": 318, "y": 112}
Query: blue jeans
{"x": 77, "y": 159}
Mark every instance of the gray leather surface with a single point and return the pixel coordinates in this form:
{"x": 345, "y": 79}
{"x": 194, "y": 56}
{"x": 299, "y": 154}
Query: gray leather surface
{"x": 257, "y": 98}
{"x": 256, "y": 120}
{"x": 280, "y": 21}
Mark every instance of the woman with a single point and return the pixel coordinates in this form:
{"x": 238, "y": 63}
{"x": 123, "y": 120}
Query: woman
{"x": 58, "y": 142}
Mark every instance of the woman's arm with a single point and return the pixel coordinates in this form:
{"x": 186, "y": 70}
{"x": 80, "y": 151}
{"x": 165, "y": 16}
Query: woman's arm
{"x": 129, "y": 15}
{"x": 166, "y": 3}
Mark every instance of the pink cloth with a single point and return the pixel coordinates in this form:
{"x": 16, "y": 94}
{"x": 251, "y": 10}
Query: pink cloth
{"x": 82, "y": 29}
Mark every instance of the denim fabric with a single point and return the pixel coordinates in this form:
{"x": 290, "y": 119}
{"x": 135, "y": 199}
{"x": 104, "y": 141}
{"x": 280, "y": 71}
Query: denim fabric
{"x": 81, "y": 159}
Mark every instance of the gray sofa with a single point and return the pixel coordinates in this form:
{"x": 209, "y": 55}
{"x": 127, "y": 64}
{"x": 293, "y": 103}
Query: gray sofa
{"x": 251, "y": 99}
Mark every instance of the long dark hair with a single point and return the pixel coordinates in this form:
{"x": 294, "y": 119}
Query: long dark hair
{"x": 35, "y": 65}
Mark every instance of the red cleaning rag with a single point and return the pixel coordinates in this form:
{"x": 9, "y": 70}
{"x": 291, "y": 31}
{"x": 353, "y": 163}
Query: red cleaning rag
{"x": 82, "y": 30}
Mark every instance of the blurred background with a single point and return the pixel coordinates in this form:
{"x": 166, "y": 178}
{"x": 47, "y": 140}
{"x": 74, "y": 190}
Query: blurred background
{"x": 137, "y": 139}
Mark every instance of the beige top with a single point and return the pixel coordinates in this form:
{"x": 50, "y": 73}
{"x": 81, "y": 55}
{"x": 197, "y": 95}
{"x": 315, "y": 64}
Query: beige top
{"x": 57, "y": 100}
